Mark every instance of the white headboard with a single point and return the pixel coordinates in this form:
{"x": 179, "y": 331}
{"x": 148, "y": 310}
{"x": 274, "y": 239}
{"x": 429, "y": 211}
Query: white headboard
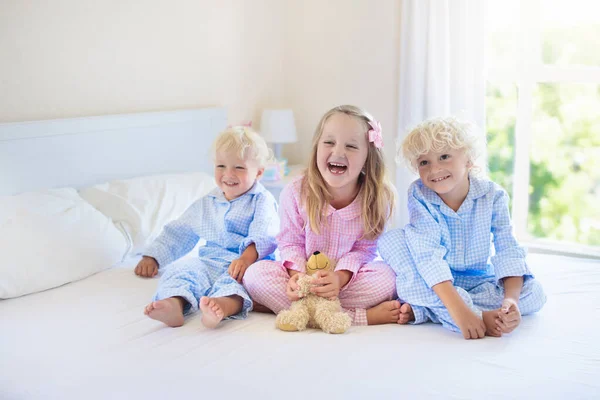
{"x": 78, "y": 152}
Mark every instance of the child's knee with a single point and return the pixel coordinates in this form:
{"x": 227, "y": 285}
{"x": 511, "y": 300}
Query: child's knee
{"x": 466, "y": 297}
{"x": 536, "y": 296}
{"x": 388, "y": 281}
{"x": 254, "y": 273}
{"x": 394, "y": 251}
{"x": 259, "y": 273}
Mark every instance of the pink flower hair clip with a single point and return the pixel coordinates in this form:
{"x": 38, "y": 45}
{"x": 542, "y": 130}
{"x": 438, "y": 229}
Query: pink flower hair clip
{"x": 375, "y": 135}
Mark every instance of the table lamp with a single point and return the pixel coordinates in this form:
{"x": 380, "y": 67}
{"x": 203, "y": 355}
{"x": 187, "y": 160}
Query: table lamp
{"x": 277, "y": 127}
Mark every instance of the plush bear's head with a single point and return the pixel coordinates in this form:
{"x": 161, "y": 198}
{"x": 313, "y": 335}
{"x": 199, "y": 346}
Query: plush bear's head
{"x": 318, "y": 262}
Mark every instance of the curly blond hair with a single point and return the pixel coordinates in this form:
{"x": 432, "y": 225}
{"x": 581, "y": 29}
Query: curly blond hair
{"x": 377, "y": 193}
{"x": 244, "y": 142}
{"x": 437, "y": 134}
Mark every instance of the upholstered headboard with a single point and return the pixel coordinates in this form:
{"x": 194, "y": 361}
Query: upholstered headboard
{"x": 84, "y": 151}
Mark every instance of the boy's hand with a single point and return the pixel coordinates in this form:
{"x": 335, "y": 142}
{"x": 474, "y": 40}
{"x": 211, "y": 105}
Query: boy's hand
{"x": 147, "y": 267}
{"x": 509, "y": 316}
{"x": 471, "y": 326}
{"x": 238, "y": 268}
{"x": 292, "y": 287}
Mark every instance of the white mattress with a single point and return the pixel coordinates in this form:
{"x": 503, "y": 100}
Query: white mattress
{"x": 89, "y": 339}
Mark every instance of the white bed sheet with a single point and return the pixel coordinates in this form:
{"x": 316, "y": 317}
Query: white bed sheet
{"x": 89, "y": 339}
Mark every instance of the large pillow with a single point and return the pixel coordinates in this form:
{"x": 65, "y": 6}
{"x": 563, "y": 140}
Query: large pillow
{"x": 144, "y": 205}
{"x": 51, "y": 238}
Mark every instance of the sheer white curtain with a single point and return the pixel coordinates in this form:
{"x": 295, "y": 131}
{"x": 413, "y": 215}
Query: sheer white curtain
{"x": 441, "y": 70}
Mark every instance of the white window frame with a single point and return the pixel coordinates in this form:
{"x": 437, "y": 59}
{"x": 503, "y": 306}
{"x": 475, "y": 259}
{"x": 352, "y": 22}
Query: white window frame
{"x": 528, "y": 72}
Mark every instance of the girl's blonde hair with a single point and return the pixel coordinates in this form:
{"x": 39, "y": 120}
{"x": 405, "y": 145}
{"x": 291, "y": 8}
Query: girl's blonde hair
{"x": 244, "y": 142}
{"x": 437, "y": 134}
{"x": 377, "y": 193}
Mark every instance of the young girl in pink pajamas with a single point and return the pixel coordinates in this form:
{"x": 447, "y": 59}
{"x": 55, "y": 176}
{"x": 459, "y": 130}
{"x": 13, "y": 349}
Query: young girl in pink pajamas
{"x": 339, "y": 207}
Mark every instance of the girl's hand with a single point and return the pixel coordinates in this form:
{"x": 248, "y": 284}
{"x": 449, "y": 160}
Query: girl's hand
{"x": 147, "y": 267}
{"x": 327, "y": 284}
{"x": 471, "y": 326}
{"x": 509, "y": 316}
{"x": 237, "y": 269}
{"x": 292, "y": 288}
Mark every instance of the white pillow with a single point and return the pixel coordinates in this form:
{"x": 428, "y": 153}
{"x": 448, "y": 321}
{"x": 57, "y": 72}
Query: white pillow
{"x": 51, "y": 238}
{"x": 144, "y": 205}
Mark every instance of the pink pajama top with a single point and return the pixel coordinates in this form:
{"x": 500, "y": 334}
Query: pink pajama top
{"x": 340, "y": 239}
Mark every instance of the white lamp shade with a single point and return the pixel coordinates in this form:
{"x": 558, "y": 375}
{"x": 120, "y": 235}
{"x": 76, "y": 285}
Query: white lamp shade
{"x": 277, "y": 126}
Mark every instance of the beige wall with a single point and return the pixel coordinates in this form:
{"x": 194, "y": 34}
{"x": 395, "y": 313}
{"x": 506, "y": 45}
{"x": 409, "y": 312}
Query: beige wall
{"x": 73, "y": 58}
{"x": 342, "y": 52}
{"x": 83, "y": 57}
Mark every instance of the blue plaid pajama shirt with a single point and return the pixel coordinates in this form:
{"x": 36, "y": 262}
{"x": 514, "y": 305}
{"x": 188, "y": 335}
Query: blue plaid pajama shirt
{"x": 473, "y": 247}
{"x": 228, "y": 227}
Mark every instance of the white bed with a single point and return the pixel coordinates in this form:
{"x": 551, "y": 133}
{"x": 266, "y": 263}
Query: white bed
{"x": 89, "y": 339}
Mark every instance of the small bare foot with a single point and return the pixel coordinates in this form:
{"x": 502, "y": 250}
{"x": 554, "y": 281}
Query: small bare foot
{"x": 168, "y": 311}
{"x": 212, "y": 313}
{"x": 387, "y": 312}
{"x": 406, "y": 314}
{"x": 508, "y": 322}
{"x": 491, "y": 327}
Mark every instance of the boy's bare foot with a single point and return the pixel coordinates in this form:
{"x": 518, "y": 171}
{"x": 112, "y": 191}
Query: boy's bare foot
{"x": 212, "y": 313}
{"x": 491, "y": 326}
{"x": 508, "y": 321}
{"x": 387, "y": 312}
{"x": 168, "y": 311}
{"x": 406, "y": 314}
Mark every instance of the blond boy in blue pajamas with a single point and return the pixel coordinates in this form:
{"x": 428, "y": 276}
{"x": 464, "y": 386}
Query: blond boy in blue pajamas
{"x": 442, "y": 257}
{"x": 238, "y": 220}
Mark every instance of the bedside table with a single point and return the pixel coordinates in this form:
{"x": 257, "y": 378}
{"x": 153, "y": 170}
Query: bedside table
{"x": 275, "y": 187}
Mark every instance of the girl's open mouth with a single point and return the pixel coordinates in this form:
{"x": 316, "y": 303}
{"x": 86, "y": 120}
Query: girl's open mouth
{"x": 336, "y": 168}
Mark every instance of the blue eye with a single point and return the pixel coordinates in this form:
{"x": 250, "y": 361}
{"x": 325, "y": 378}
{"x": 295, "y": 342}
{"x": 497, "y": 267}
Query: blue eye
{"x": 444, "y": 156}
{"x": 328, "y": 142}
{"x": 422, "y": 163}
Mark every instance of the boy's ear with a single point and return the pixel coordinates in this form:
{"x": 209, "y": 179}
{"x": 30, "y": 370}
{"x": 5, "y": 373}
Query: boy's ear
{"x": 260, "y": 172}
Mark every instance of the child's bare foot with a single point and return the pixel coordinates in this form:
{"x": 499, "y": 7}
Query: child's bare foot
{"x": 508, "y": 321}
{"x": 168, "y": 311}
{"x": 406, "y": 314}
{"x": 387, "y": 312}
{"x": 212, "y": 313}
{"x": 491, "y": 326}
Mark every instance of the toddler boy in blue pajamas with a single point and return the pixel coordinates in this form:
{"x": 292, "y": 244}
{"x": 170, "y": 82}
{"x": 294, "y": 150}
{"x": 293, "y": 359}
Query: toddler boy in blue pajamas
{"x": 238, "y": 220}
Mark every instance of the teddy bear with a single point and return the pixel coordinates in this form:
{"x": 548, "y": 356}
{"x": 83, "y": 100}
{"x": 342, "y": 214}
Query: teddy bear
{"x": 311, "y": 310}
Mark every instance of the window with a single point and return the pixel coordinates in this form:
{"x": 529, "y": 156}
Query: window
{"x": 543, "y": 118}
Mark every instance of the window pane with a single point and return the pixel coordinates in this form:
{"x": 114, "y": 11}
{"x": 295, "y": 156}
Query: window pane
{"x": 570, "y": 32}
{"x": 501, "y": 107}
{"x": 564, "y": 198}
{"x": 502, "y": 18}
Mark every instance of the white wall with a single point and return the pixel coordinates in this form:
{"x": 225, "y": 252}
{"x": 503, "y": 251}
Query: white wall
{"x": 69, "y": 58}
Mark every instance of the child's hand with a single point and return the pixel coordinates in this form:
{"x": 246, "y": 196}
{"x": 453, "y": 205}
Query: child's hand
{"x": 471, "y": 326}
{"x": 327, "y": 284}
{"x": 509, "y": 316}
{"x": 147, "y": 267}
{"x": 292, "y": 288}
{"x": 238, "y": 268}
